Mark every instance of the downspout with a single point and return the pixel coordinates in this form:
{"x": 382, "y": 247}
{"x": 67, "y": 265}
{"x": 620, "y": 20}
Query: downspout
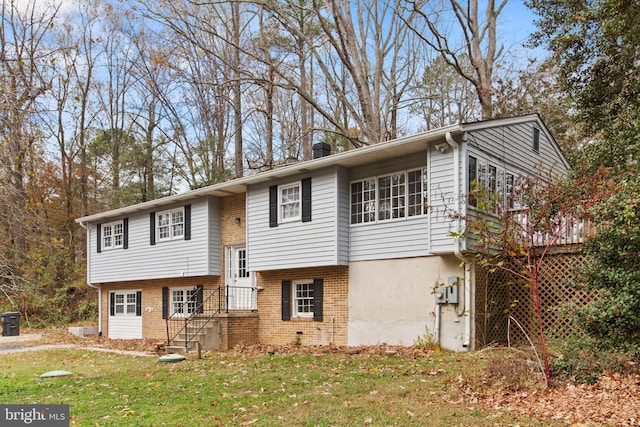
{"x": 83, "y": 225}
{"x": 468, "y": 265}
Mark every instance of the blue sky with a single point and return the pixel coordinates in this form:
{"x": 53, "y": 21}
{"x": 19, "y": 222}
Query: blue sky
{"x": 515, "y": 24}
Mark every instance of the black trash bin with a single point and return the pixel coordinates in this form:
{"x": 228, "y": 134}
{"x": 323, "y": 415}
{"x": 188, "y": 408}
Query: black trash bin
{"x": 11, "y": 324}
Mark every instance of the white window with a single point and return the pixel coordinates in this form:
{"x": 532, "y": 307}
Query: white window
{"x": 112, "y": 235}
{"x": 170, "y": 224}
{"x": 395, "y": 196}
{"x": 495, "y": 180}
{"x": 183, "y": 301}
{"x": 417, "y": 192}
{"x": 124, "y": 304}
{"x": 303, "y": 298}
{"x": 289, "y": 202}
{"x": 363, "y": 201}
{"x": 241, "y": 264}
{"x": 391, "y": 196}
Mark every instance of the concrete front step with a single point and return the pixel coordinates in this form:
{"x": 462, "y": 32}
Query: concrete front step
{"x": 177, "y": 349}
{"x": 208, "y": 337}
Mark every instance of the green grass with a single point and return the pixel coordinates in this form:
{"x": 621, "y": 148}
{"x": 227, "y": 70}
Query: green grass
{"x": 236, "y": 389}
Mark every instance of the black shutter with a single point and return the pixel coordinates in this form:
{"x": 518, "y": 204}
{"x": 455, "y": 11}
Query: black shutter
{"x": 152, "y": 228}
{"x": 112, "y": 307}
{"x": 139, "y": 303}
{"x": 187, "y": 222}
{"x": 273, "y": 206}
{"x": 165, "y": 302}
{"x": 306, "y": 200}
{"x": 125, "y": 233}
{"x": 286, "y": 300}
{"x": 99, "y": 238}
{"x": 199, "y": 298}
{"x": 317, "y": 299}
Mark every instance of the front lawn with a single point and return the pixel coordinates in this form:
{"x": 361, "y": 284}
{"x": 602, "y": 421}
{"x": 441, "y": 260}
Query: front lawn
{"x": 239, "y": 388}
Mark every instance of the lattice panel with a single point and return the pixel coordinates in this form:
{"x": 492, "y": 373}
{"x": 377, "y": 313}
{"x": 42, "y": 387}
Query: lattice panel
{"x": 500, "y": 296}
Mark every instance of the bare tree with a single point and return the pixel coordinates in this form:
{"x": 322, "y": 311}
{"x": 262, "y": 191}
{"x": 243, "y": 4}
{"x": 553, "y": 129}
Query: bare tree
{"x": 479, "y": 43}
{"x": 364, "y": 61}
{"x": 443, "y": 97}
{"x": 25, "y": 65}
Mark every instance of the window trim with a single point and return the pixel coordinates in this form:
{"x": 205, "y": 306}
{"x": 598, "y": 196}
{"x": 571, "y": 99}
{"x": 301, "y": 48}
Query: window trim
{"x": 170, "y": 225}
{"x": 310, "y": 299}
{"x": 185, "y": 290}
{"x": 111, "y": 227}
{"x": 502, "y": 180}
{"x": 372, "y": 216}
{"x": 281, "y": 204}
{"x": 535, "y": 140}
{"x": 136, "y": 304}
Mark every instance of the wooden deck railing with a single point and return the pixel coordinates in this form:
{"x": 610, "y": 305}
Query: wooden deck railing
{"x": 567, "y": 230}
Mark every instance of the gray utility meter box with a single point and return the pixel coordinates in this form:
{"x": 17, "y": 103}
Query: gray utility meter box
{"x": 448, "y": 293}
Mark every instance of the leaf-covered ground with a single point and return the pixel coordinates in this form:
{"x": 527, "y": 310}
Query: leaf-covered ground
{"x": 614, "y": 400}
{"x": 501, "y": 386}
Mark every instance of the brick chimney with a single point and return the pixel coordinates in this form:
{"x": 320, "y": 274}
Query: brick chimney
{"x": 321, "y": 149}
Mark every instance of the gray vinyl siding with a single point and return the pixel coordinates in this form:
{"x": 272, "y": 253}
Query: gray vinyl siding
{"x": 400, "y": 238}
{"x": 441, "y": 197}
{"x": 511, "y": 147}
{"x": 296, "y": 244}
{"x": 174, "y": 258}
{"x": 344, "y": 211}
{"x": 390, "y": 239}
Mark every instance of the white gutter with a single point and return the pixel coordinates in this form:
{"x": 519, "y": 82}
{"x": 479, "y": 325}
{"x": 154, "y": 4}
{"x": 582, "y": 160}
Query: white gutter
{"x": 84, "y": 225}
{"x": 468, "y": 265}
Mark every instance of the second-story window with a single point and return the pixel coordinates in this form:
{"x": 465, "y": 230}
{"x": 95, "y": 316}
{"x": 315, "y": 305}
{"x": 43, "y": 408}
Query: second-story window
{"x": 395, "y": 196}
{"x": 391, "y": 196}
{"x": 495, "y": 180}
{"x": 113, "y": 235}
{"x": 289, "y": 202}
{"x": 170, "y": 224}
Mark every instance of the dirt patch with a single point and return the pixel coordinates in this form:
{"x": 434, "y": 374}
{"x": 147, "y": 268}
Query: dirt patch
{"x": 20, "y": 339}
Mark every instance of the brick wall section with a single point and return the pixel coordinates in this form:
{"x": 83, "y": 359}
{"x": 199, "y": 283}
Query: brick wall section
{"x": 153, "y": 325}
{"x": 238, "y": 329}
{"x": 232, "y": 207}
{"x": 273, "y": 330}
{"x": 266, "y": 326}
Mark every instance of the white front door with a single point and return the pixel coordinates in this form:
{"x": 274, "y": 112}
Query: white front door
{"x": 240, "y": 293}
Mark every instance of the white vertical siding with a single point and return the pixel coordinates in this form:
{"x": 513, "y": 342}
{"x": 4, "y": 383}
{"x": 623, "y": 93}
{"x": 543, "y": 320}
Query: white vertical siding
{"x": 175, "y": 258}
{"x": 295, "y": 244}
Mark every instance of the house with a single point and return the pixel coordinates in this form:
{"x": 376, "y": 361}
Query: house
{"x": 349, "y": 249}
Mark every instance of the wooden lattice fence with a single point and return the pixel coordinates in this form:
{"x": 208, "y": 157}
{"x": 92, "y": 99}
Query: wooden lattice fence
{"x": 500, "y": 299}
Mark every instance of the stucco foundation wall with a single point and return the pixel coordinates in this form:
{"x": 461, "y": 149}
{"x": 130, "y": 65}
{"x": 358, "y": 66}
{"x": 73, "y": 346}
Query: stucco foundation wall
{"x": 153, "y": 325}
{"x": 392, "y": 302}
{"x": 332, "y": 330}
